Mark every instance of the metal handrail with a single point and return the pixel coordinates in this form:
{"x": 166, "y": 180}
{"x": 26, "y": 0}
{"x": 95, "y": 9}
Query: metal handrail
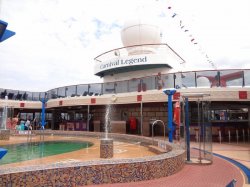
{"x": 164, "y": 130}
{"x": 65, "y": 90}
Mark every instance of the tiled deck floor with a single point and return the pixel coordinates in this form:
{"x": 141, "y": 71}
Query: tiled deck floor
{"x": 239, "y": 152}
{"x": 219, "y": 174}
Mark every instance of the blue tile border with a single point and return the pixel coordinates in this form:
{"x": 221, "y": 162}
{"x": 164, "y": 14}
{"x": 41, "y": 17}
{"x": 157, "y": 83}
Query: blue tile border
{"x": 245, "y": 169}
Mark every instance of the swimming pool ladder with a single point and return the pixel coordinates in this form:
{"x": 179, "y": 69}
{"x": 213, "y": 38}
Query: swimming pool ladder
{"x": 42, "y": 134}
{"x": 29, "y": 135}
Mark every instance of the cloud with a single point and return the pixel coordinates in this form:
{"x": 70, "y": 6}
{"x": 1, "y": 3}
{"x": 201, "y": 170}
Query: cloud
{"x": 104, "y": 28}
{"x": 56, "y": 41}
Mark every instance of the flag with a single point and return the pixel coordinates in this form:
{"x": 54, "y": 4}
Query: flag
{"x": 174, "y": 15}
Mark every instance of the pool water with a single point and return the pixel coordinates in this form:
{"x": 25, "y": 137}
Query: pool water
{"x": 33, "y": 150}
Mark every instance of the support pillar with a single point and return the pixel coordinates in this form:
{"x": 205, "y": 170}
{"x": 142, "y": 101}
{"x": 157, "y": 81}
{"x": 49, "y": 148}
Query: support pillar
{"x": 170, "y": 94}
{"x": 43, "y": 100}
{"x": 106, "y": 148}
{"x": 187, "y": 129}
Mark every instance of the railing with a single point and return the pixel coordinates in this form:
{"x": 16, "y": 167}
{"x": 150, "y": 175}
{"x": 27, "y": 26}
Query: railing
{"x": 178, "y": 80}
{"x": 164, "y": 129}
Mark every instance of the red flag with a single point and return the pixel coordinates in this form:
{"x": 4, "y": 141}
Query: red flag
{"x": 174, "y": 15}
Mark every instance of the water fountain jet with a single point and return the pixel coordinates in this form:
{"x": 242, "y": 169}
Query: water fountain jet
{"x": 106, "y": 144}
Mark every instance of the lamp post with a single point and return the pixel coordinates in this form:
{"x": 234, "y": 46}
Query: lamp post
{"x": 170, "y": 93}
{"x": 43, "y": 123}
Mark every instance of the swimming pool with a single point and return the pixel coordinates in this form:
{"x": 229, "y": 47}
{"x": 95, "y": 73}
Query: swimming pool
{"x": 33, "y": 150}
{"x": 132, "y": 160}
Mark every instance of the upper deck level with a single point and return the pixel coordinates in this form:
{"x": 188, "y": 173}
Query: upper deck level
{"x": 226, "y": 78}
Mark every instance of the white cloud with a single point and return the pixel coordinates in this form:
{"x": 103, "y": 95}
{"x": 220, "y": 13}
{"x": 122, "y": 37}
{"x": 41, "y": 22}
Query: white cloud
{"x": 56, "y": 41}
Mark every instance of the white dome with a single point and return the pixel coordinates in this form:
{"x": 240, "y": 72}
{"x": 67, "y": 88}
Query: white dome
{"x": 203, "y": 82}
{"x": 139, "y": 31}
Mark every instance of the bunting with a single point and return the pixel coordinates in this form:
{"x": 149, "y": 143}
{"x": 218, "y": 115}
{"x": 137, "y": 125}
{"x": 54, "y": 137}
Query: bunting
{"x": 193, "y": 39}
{"x": 174, "y": 15}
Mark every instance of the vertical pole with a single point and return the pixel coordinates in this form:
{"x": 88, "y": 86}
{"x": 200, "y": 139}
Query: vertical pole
{"x": 5, "y": 113}
{"x": 170, "y": 118}
{"x": 88, "y": 88}
{"x": 170, "y": 93}
{"x": 88, "y": 118}
{"x": 141, "y": 118}
{"x": 248, "y": 134}
{"x": 200, "y": 128}
{"x": 243, "y": 134}
{"x": 237, "y": 136}
{"x": 204, "y": 111}
{"x": 43, "y": 113}
{"x": 220, "y": 135}
{"x": 218, "y": 77}
{"x": 102, "y": 87}
{"x": 187, "y": 129}
{"x": 53, "y": 120}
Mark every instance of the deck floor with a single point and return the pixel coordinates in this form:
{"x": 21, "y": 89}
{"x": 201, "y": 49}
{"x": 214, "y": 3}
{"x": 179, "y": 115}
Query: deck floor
{"x": 220, "y": 173}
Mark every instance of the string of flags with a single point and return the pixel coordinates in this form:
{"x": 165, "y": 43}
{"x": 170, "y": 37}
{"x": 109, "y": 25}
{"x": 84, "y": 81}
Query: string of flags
{"x": 192, "y": 39}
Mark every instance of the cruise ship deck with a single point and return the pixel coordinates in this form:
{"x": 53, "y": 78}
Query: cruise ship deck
{"x": 220, "y": 173}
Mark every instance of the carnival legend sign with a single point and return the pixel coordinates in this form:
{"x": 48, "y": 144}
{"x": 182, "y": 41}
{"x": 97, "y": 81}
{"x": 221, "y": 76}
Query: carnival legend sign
{"x": 119, "y": 62}
{"x": 136, "y": 60}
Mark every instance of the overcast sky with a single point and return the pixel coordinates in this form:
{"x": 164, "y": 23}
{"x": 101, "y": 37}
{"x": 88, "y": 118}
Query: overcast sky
{"x": 57, "y": 40}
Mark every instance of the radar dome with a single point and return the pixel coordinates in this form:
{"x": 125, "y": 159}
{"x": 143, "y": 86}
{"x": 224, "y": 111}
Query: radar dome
{"x": 203, "y": 82}
{"x": 140, "y": 31}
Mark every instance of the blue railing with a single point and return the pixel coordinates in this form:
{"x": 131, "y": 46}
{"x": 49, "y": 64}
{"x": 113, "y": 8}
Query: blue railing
{"x": 178, "y": 80}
